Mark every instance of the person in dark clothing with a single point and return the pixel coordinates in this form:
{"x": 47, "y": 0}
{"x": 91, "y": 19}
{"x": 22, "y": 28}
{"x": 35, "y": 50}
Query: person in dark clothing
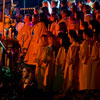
{"x": 27, "y": 89}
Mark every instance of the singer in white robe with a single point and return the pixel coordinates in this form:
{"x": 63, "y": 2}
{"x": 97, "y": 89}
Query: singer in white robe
{"x": 95, "y": 66}
{"x": 84, "y": 70}
{"x": 41, "y": 65}
{"x": 72, "y": 62}
{"x": 71, "y": 66}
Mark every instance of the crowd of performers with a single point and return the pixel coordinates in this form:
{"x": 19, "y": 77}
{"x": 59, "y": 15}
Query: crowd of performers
{"x": 61, "y": 44}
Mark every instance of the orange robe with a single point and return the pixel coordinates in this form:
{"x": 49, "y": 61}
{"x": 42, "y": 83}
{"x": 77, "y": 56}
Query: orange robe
{"x": 24, "y": 36}
{"x": 73, "y": 25}
{"x": 38, "y": 29}
{"x": 52, "y": 28}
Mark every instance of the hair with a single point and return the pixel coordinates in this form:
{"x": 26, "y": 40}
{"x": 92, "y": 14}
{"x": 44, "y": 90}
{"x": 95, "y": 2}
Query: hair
{"x": 43, "y": 18}
{"x": 80, "y": 35}
{"x": 30, "y": 17}
{"x": 37, "y": 9}
{"x": 65, "y": 40}
{"x": 30, "y": 73}
{"x": 61, "y": 35}
{"x": 96, "y": 25}
{"x": 45, "y": 1}
{"x": 65, "y": 11}
{"x": 50, "y": 34}
{"x": 55, "y": 16}
{"x": 55, "y": 2}
{"x": 97, "y": 5}
{"x": 63, "y": 27}
{"x": 75, "y": 8}
{"x": 43, "y": 36}
{"x": 36, "y": 16}
{"x": 88, "y": 32}
{"x": 19, "y": 18}
{"x": 54, "y": 39}
{"x": 0, "y": 18}
{"x": 45, "y": 10}
{"x": 73, "y": 35}
{"x": 64, "y": 2}
{"x": 55, "y": 10}
{"x": 80, "y": 15}
{"x": 85, "y": 24}
{"x": 88, "y": 9}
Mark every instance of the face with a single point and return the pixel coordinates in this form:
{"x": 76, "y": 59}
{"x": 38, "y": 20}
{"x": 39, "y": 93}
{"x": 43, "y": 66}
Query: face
{"x": 84, "y": 36}
{"x": 51, "y": 18}
{"x": 81, "y": 27}
{"x": 59, "y": 40}
{"x": 83, "y": 9}
{"x": 35, "y": 12}
{"x": 90, "y": 26}
{"x": 70, "y": 39}
{"x": 50, "y": 40}
{"x": 7, "y": 20}
{"x": 97, "y": 14}
{"x": 88, "y": 0}
{"x": 75, "y": 15}
{"x": 45, "y": 4}
{"x": 25, "y": 73}
{"x": 35, "y": 19}
{"x": 26, "y": 19}
{"x": 63, "y": 15}
{"x": 43, "y": 41}
{"x": 68, "y": 4}
{"x": 52, "y": 4}
{"x": 61, "y": 5}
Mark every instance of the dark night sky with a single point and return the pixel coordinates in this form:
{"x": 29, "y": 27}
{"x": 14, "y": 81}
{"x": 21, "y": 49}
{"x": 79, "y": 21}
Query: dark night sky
{"x": 29, "y": 3}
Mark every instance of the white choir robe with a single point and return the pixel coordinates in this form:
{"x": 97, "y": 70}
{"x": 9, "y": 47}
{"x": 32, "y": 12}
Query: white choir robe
{"x": 59, "y": 70}
{"x": 50, "y": 68}
{"x": 84, "y": 68}
{"x": 24, "y": 36}
{"x": 71, "y": 66}
{"x": 41, "y": 66}
{"x": 95, "y": 67}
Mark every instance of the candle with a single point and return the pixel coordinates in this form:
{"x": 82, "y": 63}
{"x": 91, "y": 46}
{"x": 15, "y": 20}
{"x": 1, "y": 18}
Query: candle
{"x": 7, "y": 62}
{"x": 5, "y": 59}
{"x": 0, "y": 53}
{"x": 10, "y": 33}
{"x": 5, "y": 33}
{"x": 48, "y": 27}
{"x": 23, "y": 39}
{"x": 13, "y": 35}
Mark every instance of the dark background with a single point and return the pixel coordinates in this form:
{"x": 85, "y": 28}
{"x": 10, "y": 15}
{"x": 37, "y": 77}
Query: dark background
{"x": 20, "y": 3}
